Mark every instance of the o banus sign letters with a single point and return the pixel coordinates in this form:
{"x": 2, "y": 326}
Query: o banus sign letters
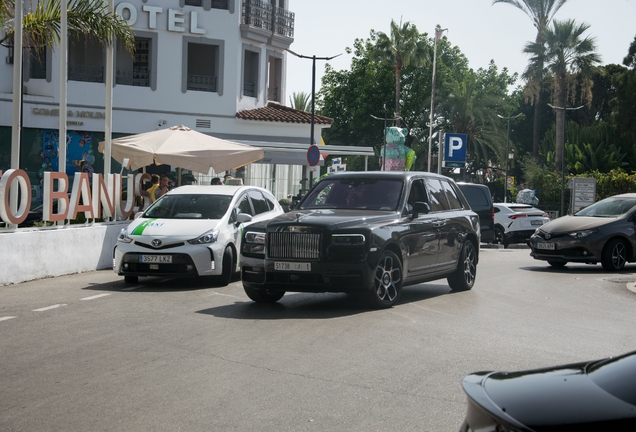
{"x": 102, "y": 199}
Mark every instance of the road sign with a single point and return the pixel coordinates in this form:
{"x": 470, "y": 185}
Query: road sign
{"x": 510, "y": 182}
{"x": 455, "y": 150}
{"x": 583, "y": 193}
{"x": 313, "y": 155}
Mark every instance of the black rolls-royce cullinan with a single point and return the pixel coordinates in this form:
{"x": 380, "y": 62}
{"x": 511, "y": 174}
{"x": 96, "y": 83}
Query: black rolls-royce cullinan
{"x": 369, "y": 233}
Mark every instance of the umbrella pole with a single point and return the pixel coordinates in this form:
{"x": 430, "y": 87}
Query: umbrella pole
{"x": 178, "y": 176}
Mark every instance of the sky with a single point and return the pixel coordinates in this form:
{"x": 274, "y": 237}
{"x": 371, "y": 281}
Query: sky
{"x": 481, "y": 30}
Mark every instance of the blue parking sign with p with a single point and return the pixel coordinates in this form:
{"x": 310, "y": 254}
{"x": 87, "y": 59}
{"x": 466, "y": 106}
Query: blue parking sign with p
{"x": 455, "y": 150}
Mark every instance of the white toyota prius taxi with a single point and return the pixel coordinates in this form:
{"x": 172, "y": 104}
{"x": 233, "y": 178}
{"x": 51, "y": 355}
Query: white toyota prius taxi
{"x": 192, "y": 231}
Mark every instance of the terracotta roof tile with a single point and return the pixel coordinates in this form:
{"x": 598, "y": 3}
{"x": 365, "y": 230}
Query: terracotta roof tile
{"x": 275, "y": 112}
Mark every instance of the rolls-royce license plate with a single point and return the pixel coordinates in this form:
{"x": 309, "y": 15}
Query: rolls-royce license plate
{"x": 292, "y": 266}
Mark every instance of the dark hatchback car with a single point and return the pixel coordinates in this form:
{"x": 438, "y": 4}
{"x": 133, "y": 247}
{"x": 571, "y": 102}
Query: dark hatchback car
{"x": 480, "y": 200}
{"x": 602, "y": 232}
{"x": 369, "y": 233}
{"x": 596, "y": 395}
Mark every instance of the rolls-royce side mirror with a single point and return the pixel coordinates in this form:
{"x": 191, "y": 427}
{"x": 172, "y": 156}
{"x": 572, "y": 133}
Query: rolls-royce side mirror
{"x": 420, "y": 207}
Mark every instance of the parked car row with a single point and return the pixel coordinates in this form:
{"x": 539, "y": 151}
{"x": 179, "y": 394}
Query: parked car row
{"x": 373, "y": 234}
{"x": 369, "y": 233}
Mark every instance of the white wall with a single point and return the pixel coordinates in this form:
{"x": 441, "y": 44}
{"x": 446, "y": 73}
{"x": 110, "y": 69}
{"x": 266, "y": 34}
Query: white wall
{"x": 29, "y": 254}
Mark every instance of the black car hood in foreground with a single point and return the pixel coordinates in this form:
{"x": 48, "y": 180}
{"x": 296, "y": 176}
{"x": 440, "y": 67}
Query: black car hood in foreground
{"x": 598, "y": 395}
{"x": 334, "y": 218}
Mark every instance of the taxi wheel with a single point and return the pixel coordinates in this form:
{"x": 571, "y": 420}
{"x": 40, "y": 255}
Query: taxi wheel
{"x": 557, "y": 264}
{"x": 228, "y": 264}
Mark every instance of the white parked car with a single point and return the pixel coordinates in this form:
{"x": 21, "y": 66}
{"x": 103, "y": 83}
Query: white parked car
{"x": 192, "y": 231}
{"x": 515, "y": 223}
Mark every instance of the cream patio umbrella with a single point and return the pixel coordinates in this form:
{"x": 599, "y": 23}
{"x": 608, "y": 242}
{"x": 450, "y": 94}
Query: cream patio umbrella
{"x": 182, "y": 147}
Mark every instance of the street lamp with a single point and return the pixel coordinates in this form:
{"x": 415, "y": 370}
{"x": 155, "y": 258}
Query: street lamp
{"x": 313, "y": 93}
{"x": 565, "y": 110}
{"x": 510, "y": 155}
{"x": 438, "y": 36}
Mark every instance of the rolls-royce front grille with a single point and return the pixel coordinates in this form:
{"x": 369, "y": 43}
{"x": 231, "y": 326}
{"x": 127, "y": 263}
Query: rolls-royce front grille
{"x": 293, "y": 245}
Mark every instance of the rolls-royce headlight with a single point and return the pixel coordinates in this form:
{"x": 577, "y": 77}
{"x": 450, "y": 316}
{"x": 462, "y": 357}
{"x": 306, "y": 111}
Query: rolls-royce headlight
{"x": 582, "y": 234}
{"x": 347, "y": 239}
{"x": 123, "y": 236}
{"x": 207, "y": 238}
{"x": 254, "y": 242}
{"x": 255, "y": 237}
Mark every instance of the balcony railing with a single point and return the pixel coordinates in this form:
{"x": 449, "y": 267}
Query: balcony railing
{"x": 37, "y": 70}
{"x": 264, "y": 15}
{"x": 249, "y": 89}
{"x": 138, "y": 77}
{"x": 219, "y": 4}
{"x": 202, "y": 83}
{"x": 273, "y": 94}
{"x": 86, "y": 73}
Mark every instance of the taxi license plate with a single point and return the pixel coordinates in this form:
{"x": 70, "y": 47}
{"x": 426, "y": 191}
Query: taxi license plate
{"x": 536, "y": 222}
{"x": 292, "y": 266}
{"x": 162, "y": 259}
{"x": 545, "y": 246}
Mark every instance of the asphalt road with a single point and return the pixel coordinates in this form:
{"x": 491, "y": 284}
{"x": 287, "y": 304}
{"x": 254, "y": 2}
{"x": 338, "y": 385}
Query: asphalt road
{"x": 90, "y": 353}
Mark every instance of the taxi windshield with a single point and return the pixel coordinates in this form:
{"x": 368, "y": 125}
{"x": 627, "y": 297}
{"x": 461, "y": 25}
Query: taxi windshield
{"x": 190, "y": 206}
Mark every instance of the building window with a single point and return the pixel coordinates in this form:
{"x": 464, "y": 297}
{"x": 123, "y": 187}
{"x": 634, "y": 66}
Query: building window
{"x": 274, "y": 78}
{"x": 134, "y": 70}
{"x": 85, "y": 59}
{"x": 37, "y": 63}
{"x": 220, "y": 4}
{"x": 250, "y": 73}
{"x": 194, "y": 3}
{"x": 203, "y": 67}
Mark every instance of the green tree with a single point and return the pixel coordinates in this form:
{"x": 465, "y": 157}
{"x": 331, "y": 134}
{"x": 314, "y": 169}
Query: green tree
{"x": 41, "y": 26}
{"x": 625, "y": 84}
{"x": 403, "y": 47}
{"x": 541, "y": 13}
{"x": 565, "y": 53}
{"x": 300, "y": 101}
{"x": 471, "y": 107}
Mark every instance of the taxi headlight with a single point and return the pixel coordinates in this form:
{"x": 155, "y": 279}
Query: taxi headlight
{"x": 123, "y": 236}
{"x": 582, "y": 234}
{"x": 207, "y": 238}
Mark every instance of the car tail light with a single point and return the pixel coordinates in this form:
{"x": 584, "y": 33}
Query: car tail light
{"x": 492, "y": 214}
{"x": 545, "y": 215}
{"x": 517, "y": 216}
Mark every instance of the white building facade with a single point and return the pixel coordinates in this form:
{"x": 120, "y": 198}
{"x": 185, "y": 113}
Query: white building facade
{"x": 205, "y": 64}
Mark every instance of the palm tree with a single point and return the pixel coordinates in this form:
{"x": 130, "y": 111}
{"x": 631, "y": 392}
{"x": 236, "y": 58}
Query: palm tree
{"x": 564, "y": 52}
{"x": 403, "y": 47}
{"x": 41, "y": 26}
{"x": 541, "y": 13}
{"x": 300, "y": 101}
{"x": 471, "y": 110}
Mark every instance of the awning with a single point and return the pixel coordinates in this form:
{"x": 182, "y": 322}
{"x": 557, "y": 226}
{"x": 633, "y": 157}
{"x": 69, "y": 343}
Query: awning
{"x": 296, "y": 153}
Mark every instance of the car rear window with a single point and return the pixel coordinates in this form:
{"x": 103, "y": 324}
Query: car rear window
{"x": 476, "y": 196}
